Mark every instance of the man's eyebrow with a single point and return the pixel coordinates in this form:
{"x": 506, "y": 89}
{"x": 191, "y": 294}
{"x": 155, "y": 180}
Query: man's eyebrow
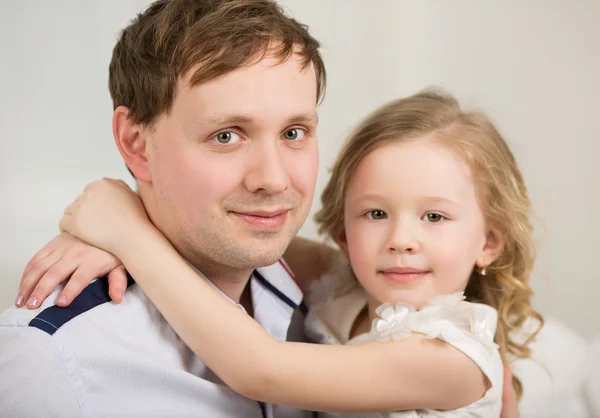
{"x": 308, "y": 117}
{"x": 234, "y": 119}
{"x": 224, "y": 119}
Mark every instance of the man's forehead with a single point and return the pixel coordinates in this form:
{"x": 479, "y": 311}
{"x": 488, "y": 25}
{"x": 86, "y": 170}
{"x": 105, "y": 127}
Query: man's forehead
{"x": 262, "y": 61}
{"x": 284, "y": 91}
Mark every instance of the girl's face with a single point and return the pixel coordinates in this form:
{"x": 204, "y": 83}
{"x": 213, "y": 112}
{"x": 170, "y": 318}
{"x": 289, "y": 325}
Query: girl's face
{"x": 413, "y": 226}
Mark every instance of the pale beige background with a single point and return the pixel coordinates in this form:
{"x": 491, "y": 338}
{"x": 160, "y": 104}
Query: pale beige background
{"x": 532, "y": 65}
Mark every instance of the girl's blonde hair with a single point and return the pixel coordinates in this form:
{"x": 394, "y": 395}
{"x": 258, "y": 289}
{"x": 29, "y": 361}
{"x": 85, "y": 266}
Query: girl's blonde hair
{"x": 501, "y": 192}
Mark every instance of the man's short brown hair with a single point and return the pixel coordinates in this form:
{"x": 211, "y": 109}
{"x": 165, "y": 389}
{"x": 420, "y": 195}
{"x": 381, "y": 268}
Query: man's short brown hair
{"x": 212, "y": 37}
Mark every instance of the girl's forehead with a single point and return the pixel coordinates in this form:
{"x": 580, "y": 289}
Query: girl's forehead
{"x": 414, "y": 168}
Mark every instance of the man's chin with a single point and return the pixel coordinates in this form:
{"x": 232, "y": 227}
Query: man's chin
{"x": 265, "y": 251}
{"x": 266, "y": 255}
{"x": 250, "y": 249}
{"x": 254, "y": 260}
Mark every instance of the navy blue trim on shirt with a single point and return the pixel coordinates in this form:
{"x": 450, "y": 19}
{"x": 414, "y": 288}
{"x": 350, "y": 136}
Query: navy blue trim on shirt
{"x": 53, "y": 317}
{"x": 279, "y": 293}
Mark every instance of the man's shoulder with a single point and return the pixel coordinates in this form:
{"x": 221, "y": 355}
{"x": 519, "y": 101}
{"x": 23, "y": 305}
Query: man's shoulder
{"x": 93, "y": 302}
{"x": 47, "y": 351}
{"x": 21, "y": 317}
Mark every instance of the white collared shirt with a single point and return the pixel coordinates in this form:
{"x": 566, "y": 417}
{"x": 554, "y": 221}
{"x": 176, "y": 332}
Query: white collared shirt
{"x": 99, "y": 359}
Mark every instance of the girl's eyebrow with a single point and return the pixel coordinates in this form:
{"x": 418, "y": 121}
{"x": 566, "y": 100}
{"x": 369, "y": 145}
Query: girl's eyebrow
{"x": 426, "y": 199}
{"x": 367, "y": 196}
{"x": 440, "y": 199}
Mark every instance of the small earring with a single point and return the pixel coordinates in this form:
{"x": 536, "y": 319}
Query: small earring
{"x": 482, "y": 271}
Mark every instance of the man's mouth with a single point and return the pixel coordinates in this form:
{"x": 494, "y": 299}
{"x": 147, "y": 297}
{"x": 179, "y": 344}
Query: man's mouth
{"x": 263, "y": 219}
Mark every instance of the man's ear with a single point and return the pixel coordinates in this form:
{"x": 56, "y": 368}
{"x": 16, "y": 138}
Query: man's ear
{"x": 131, "y": 144}
{"x": 492, "y": 249}
{"x": 342, "y": 242}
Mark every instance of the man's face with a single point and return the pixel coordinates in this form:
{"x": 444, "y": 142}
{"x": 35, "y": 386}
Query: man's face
{"x": 234, "y": 164}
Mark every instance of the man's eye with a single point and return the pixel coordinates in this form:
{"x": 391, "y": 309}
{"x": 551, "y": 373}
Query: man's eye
{"x": 377, "y": 214}
{"x": 227, "y": 137}
{"x": 294, "y": 134}
{"x": 433, "y": 217}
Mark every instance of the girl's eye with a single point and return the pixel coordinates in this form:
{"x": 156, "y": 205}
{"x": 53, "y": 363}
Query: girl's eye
{"x": 226, "y": 137}
{"x": 433, "y": 217}
{"x": 294, "y": 134}
{"x": 377, "y": 214}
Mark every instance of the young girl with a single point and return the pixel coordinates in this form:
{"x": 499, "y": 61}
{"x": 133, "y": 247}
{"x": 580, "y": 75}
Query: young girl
{"x": 428, "y": 206}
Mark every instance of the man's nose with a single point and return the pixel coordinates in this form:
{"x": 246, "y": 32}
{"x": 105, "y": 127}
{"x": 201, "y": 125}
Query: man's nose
{"x": 266, "y": 169}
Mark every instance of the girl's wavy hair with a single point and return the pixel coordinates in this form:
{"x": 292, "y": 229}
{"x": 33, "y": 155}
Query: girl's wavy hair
{"x": 501, "y": 193}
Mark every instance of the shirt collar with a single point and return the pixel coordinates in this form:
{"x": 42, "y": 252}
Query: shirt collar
{"x": 215, "y": 286}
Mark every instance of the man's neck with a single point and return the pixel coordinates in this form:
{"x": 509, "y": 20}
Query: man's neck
{"x": 230, "y": 281}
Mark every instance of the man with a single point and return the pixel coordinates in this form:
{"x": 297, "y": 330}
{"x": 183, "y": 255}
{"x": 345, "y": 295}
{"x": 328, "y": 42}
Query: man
{"x": 215, "y": 116}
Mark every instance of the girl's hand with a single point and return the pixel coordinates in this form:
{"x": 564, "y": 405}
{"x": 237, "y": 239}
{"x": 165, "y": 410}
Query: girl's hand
{"x": 107, "y": 215}
{"x": 510, "y": 404}
{"x": 66, "y": 257}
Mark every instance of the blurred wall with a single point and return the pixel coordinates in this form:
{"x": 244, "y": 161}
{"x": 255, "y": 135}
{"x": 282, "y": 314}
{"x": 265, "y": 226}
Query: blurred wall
{"x": 532, "y": 66}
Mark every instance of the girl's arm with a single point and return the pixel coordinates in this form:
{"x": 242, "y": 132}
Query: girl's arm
{"x": 68, "y": 258}
{"x": 408, "y": 374}
{"x": 309, "y": 260}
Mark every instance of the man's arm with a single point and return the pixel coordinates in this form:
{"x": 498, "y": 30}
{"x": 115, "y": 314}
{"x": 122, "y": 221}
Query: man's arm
{"x": 35, "y": 381}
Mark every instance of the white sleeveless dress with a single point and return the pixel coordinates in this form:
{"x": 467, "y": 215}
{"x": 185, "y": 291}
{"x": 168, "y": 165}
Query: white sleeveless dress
{"x": 336, "y": 301}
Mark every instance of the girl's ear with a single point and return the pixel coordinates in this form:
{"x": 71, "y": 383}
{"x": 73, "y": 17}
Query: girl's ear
{"x": 341, "y": 241}
{"x": 492, "y": 249}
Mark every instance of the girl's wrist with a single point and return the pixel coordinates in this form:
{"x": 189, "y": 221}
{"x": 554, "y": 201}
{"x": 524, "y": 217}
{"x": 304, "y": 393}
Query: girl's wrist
{"x": 134, "y": 240}
{"x": 139, "y": 255}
